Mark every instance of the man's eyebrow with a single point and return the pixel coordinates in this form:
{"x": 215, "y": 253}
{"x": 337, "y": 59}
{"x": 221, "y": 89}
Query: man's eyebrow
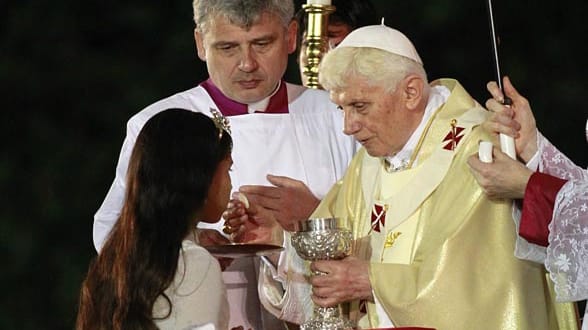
{"x": 356, "y": 100}
{"x": 269, "y": 37}
{"x": 263, "y": 38}
{"x": 224, "y": 42}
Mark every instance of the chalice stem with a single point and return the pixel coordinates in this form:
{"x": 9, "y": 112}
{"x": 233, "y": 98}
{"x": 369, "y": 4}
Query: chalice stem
{"x": 324, "y": 313}
{"x": 327, "y": 318}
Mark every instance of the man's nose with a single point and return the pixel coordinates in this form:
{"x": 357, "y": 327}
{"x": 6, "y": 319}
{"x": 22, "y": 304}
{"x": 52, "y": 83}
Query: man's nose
{"x": 351, "y": 125}
{"x": 248, "y": 62}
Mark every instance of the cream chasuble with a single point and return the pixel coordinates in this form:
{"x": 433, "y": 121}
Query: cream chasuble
{"x": 441, "y": 253}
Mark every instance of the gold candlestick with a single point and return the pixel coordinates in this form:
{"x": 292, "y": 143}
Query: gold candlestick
{"x": 316, "y": 40}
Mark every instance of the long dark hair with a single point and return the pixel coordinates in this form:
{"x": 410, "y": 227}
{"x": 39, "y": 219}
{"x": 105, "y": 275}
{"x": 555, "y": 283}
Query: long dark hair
{"x": 170, "y": 171}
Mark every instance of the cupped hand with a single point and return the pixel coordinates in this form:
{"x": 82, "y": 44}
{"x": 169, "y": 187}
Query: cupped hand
{"x": 253, "y": 224}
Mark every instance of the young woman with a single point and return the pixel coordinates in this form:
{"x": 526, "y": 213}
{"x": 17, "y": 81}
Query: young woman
{"x": 151, "y": 272}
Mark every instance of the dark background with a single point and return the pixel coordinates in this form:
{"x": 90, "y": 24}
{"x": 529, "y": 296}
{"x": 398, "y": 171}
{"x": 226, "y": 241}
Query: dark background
{"x": 73, "y": 72}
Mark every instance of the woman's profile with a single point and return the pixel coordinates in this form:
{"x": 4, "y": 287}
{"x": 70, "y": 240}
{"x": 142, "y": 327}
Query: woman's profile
{"x": 151, "y": 272}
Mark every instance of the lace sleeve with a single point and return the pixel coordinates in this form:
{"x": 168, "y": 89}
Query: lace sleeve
{"x": 567, "y": 253}
{"x": 554, "y": 162}
{"x": 566, "y": 257}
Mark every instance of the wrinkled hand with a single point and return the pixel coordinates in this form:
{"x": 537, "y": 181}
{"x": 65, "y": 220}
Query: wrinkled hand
{"x": 340, "y": 281}
{"x": 253, "y": 224}
{"x": 503, "y": 178}
{"x": 290, "y": 201}
{"x": 210, "y": 237}
{"x": 515, "y": 120}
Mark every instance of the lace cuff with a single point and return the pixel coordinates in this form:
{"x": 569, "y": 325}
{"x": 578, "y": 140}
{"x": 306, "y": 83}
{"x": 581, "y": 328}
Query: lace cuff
{"x": 567, "y": 253}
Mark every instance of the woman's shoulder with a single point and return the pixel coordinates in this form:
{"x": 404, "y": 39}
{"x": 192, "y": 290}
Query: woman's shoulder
{"x": 189, "y": 247}
{"x": 193, "y": 254}
{"x": 196, "y": 268}
{"x": 198, "y": 279}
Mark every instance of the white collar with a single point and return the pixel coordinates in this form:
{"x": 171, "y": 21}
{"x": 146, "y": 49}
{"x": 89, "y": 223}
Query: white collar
{"x": 438, "y": 96}
{"x": 262, "y": 104}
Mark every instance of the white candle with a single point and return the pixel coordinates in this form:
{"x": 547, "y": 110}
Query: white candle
{"x": 318, "y": 2}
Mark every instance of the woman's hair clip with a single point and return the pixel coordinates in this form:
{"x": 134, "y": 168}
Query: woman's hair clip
{"x": 221, "y": 122}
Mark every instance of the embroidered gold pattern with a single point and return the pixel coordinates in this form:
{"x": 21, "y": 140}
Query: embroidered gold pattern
{"x": 390, "y": 240}
{"x": 454, "y": 133}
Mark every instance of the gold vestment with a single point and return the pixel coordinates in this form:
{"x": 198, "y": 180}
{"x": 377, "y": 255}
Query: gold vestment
{"x": 441, "y": 253}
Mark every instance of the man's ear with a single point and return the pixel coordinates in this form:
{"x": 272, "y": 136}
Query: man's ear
{"x": 291, "y": 35}
{"x": 414, "y": 87}
{"x": 200, "y": 45}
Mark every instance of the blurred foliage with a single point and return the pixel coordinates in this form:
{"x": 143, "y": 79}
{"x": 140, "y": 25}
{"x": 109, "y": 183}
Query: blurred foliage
{"x": 73, "y": 72}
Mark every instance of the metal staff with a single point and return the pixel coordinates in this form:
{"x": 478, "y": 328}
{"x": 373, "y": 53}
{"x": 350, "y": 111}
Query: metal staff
{"x": 507, "y": 144}
{"x": 494, "y": 40}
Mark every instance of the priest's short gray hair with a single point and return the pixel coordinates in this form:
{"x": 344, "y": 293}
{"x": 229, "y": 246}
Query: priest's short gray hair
{"x": 243, "y": 13}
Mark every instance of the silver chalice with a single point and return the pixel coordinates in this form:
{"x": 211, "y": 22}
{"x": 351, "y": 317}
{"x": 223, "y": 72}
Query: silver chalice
{"x": 323, "y": 239}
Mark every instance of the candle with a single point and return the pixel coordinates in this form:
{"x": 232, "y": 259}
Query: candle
{"x": 318, "y": 2}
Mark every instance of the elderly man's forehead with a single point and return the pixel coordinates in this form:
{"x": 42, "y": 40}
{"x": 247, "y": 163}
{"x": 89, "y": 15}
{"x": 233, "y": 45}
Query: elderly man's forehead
{"x": 354, "y": 91}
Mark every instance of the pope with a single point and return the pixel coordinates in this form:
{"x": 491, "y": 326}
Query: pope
{"x": 431, "y": 249}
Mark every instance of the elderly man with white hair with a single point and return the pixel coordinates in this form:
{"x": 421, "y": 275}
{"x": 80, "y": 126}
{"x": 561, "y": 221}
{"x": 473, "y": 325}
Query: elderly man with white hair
{"x": 431, "y": 249}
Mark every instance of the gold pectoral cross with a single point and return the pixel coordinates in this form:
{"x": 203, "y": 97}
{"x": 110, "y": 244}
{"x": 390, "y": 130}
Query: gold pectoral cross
{"x": 390, "y": 240}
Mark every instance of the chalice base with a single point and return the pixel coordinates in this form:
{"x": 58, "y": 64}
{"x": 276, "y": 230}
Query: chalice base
{"x": 327, "y": 318}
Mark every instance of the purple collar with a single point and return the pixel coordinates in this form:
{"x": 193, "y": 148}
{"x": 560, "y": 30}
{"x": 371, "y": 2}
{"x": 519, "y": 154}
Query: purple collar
{"x": 278, "y": 102}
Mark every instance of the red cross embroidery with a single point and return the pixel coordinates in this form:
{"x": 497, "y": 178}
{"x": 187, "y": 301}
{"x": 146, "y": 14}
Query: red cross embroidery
{"x": 453, "y": 137}
{"x": 378, "y": 217}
